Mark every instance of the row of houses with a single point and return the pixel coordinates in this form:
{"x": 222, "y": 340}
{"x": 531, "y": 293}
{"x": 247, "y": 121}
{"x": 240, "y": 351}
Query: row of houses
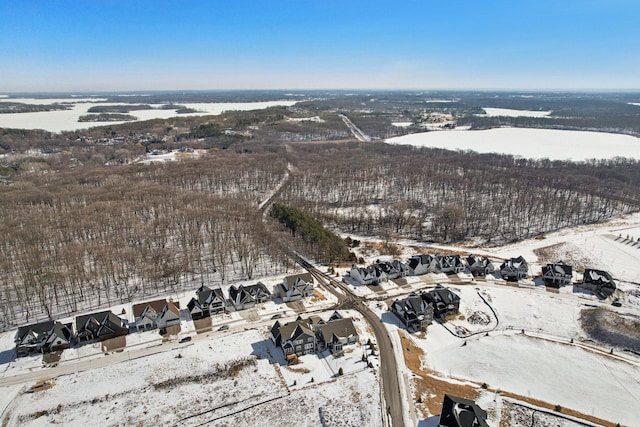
{"x": 418, "y": 310}
{"x": 511, "y": 269}
{"x": 51, "y": 335}
{"x": 209, "y": 301}
{"x": 306, "y": 336}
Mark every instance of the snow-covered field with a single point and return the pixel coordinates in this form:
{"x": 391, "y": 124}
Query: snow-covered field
{"x": 558, "y": 373}
{"x": 507, "y": 112}
{"x": 530, "y": 143}
{"x": 238, "y": 378}
{"x": 66, "y": 120}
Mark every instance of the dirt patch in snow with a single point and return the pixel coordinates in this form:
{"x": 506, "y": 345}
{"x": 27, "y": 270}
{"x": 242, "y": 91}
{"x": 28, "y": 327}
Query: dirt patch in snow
{"x": 429, "y": 389}
{"x": 610, "y": 328}
{"x": 567, "y": 252}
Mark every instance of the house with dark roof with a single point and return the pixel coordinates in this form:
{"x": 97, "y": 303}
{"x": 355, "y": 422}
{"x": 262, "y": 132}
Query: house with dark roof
{"x": 336, "y": 333}
{"x": 207, "y": 302}
{"x": 459, "y": 412}
{"x": 479, "y": 265}
{"x": 365, "y": 275}
{"x": 99, "y": 326}
{"x": 244, "y": 297}
{"x": 422, "y": 264}
{"x": 449, "y": 264}
{"x": 514, "y": 269}
{"x": 295, "y": 287}
{"x": 43, "y": 337}
{"x": 390, "y": 270}
{"x": 443, "y": 300}
{"x": 599, "y": 282}
{"x": 414, "y": 311}
{"x": 295, "y": 337}
{"x": 558, "y": 274}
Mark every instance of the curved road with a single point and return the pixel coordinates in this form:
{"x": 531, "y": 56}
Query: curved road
{"x": 388, "y": 365}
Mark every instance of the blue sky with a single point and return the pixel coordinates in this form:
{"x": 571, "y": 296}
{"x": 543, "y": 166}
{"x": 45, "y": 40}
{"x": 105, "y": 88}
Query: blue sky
{"x": 104, "y": 45}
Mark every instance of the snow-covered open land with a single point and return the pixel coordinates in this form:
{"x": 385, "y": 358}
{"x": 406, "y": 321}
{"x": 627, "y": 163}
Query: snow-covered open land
{"x": 219, "y": 378}
{"x": 67, "y": 120}
{"x": 507, "y": 112}
{"x": 530, "y": 143}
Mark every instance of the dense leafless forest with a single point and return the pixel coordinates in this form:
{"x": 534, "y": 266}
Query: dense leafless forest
{"x": 84, "y": 223}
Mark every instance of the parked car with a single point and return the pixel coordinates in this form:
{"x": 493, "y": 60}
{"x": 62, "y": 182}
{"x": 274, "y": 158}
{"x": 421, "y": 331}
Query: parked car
{"x": 184, "y": 339}
{"x": 223, "y": 328}
{"x": 276, "y": 316}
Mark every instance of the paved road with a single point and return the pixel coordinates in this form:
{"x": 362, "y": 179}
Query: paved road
{"x": 388, "y": 364}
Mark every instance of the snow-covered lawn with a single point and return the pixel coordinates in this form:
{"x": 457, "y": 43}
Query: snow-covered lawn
{"x": 530, "y": 143}
{"x": 234, "y": 379}
{"x": 557, "y": 373}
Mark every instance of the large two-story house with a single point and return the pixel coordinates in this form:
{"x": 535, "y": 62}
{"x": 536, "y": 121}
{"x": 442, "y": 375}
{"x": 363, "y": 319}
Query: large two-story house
{"x": 295, "y": 287}
{"x": 558, "y": 274}
{"x": 422, "y": 264}
{"x": 99, "y": 326}
{"x": 414, "y": 311}
{"x": 479, "y": 265}
{"x": 514, "y": 269}
{"x": 43, "y": 337}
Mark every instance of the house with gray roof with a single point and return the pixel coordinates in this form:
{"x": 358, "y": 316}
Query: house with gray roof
{"x": 599, "y": 282}
{"x": 460, "y": 412}
{"x": 99, "y": 326}
{"x": 207, "y": 302}
{"x": 295, "y": 287}
{"x": 336, "y": 333}
{"x": 514, "y": 269}
{"x": 365, "y": 275}
{"x": 294, "y": 337}
{"x": 422, "y": 264}
{"x": 43, "y": 337}
{"x": 449, "y": 264}
{"x": 558, "y": 274}
{"x": 244, "y": 297}
{"x": 414, "y": 311}
{"x": 443, "y": 300}
{"x": 479, "y": 265}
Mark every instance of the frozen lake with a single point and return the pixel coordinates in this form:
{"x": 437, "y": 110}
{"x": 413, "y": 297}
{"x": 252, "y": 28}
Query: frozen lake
{"x": 530, "y": 143}
{"x": 63, "y": 120}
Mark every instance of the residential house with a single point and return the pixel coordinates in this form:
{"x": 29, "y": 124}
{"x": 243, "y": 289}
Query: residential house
{"x": 43, "y": 337}
{"x": 391, "y": 270}
{"x": 415, "y": 311}
{"x": 558, "y": 274}
{"x": 479, "y": 265}
{"x": 514, "y": 269}
{"x": 207, "y": 302}
{"x": 294, "y": 337}
{"x": 599, "y": 282}
{"x": 459, "y": 412}
{"x": 449, "y": 264}
{"x": 196, "y": 309}
{"x": 336, "y": 333}
{"x": 295, "y": 287}
{"x": 365, "y": 275}
{"x": 145, "y": 315}
{"x": 99, "y": 326}
{"x": 422, "y": 264}
{"x": 259, "y": 292}
{"x": 169, "y": 315}
{"x": 244, "y": 297}
{"x": 443, "y": 300}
